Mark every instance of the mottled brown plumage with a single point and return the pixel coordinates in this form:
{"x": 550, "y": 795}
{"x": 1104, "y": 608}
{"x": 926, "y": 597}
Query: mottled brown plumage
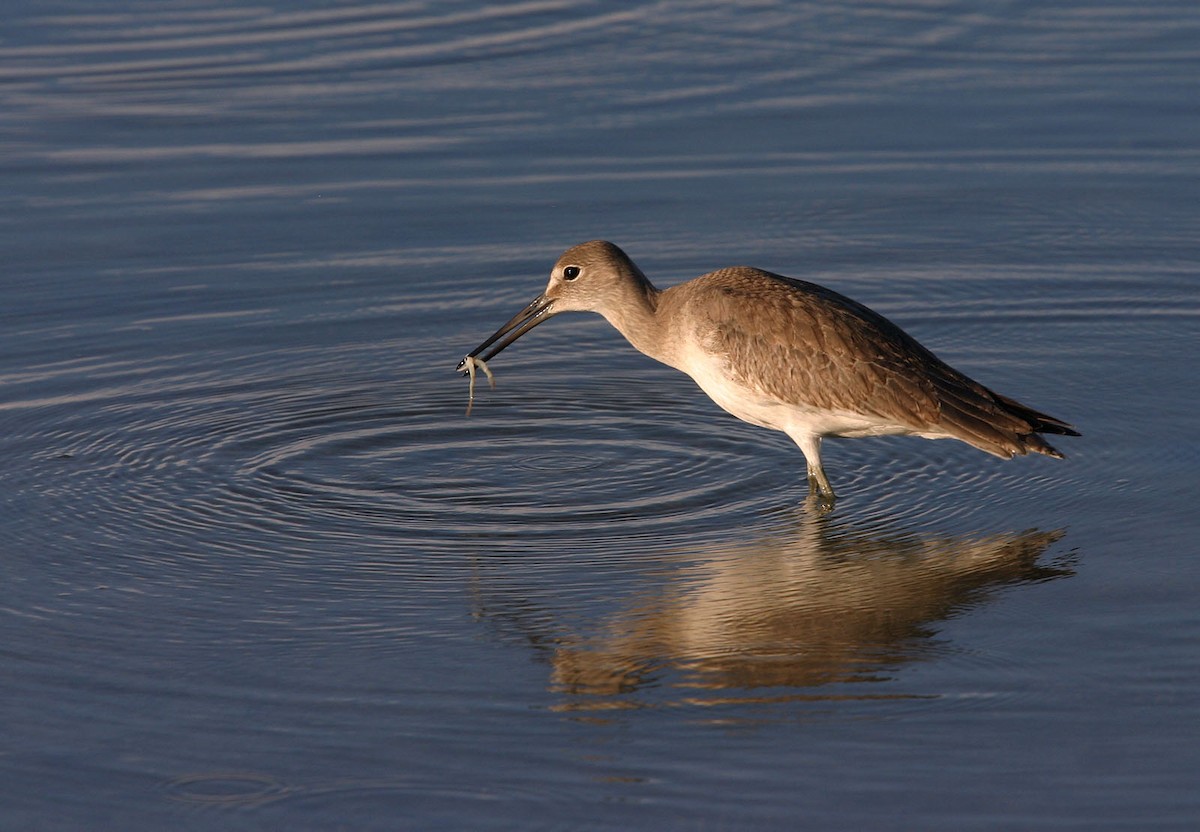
{"x": 788, "y": 355}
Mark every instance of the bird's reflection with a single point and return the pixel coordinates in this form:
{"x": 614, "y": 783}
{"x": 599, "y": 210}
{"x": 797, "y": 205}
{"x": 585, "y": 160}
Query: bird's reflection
{"x": 817, "y": 604}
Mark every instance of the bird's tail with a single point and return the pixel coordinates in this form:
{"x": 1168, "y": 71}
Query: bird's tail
{"x": 999, "y": 425}
{"x": 1040, "y": 422}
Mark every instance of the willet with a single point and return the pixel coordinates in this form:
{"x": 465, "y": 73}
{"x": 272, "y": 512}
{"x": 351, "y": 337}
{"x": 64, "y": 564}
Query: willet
{"x": 787, "y": 355}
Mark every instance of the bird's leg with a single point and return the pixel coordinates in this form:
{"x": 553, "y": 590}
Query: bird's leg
{"x": 818, "y": 485}
{"x": 820, "y": 492}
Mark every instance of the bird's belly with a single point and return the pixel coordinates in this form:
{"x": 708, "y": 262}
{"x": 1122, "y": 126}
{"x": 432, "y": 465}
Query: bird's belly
{"x": 794, "y": 418}
{"x": 743, "y": 402}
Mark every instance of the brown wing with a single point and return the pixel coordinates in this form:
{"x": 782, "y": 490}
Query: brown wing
{"x": 811, "y": 346}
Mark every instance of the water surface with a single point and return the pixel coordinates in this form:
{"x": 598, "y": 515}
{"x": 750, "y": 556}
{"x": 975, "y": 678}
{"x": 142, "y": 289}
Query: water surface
{"x": 260, "y": 570}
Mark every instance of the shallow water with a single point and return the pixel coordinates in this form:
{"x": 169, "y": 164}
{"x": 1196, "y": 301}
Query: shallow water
{"x": 260, "y": 570}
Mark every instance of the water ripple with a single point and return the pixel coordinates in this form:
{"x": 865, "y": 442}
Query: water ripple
{"x": 308, "y": 456}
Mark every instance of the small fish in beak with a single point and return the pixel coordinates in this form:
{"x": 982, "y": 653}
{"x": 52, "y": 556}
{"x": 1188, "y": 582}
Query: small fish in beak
{"x": 538, "y": 310}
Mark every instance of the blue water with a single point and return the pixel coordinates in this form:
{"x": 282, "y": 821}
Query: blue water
{"x": 261, "y": 571}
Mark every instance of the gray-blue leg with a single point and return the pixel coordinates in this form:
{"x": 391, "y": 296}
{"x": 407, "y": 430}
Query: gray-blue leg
{"x": 820, "y": 492}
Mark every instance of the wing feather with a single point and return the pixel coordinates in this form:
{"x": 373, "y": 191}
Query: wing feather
{"x": 812, "y": 347}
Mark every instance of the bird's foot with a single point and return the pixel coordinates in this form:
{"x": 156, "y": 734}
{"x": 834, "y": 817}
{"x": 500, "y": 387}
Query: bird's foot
{"x": 820, "y": 499}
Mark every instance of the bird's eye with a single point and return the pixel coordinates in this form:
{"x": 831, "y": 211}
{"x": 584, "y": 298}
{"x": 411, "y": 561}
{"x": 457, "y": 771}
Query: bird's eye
{"x": 571, "y": 272}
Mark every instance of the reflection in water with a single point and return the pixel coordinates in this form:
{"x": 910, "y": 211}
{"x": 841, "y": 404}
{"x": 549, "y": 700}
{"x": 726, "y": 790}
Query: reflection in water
{"x": 821, "y": 604}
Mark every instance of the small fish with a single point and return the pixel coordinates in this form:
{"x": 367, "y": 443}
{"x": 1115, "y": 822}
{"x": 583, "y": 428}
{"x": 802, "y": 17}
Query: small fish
{"x": 468, "y": 365}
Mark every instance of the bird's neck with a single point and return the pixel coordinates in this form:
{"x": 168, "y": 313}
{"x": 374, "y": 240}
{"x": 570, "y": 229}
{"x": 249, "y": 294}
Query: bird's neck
{"x": 636, "y": 317}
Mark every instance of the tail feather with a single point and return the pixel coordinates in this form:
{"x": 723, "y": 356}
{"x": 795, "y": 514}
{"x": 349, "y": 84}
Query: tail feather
{"x": 1040, "y": 422}
{"x": 976, "y": 427}
{"x": 997, "y": 424}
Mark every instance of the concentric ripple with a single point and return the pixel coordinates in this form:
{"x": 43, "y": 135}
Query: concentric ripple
{"x": 313, "y": 453}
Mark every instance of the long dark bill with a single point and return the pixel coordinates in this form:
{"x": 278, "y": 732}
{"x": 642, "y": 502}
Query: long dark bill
{"x": 537, "y": 311}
